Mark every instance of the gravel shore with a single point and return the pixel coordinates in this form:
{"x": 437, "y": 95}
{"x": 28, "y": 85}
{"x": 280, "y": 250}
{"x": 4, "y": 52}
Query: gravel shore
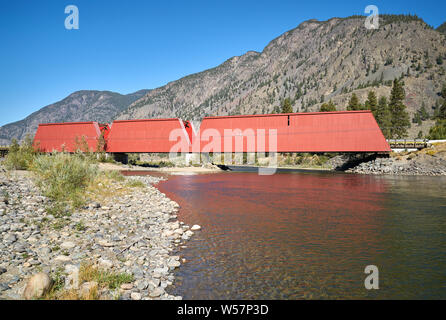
{"x": 135, "y": 233}
{"x": 416, "y": 163}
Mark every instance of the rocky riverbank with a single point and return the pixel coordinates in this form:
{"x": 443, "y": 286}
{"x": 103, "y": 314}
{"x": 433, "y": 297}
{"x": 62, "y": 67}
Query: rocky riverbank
{"x": 428, "y": 162}
{"x": 136, "y": 233}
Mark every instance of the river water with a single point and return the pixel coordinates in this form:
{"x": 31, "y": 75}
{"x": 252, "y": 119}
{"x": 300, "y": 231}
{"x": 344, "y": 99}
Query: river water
{"x": 310, "y": 235}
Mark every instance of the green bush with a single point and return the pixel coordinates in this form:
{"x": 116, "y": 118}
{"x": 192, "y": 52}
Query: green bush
{"x": 438, "y": 131}
{"x": 160, "y": 164}
{"x": 20, "y": 157}
{"x": 63, "y": 177}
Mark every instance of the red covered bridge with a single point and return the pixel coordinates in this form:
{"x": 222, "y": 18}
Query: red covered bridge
{"x": 342, "y": 131}
{"x": 68, "y": 136}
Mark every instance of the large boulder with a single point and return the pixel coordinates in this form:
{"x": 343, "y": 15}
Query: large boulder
{"x": 38, "y": 285}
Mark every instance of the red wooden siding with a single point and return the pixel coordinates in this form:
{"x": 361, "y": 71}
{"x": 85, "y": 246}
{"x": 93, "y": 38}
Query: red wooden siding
{"x": 149, "y": 135}
{"x": 62, "y": 136}
{"x": 343, "y": 131}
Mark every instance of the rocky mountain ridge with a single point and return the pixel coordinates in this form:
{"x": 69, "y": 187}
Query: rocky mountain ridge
{"x": 316, "y": 62}
{"x": 313, "y": 63}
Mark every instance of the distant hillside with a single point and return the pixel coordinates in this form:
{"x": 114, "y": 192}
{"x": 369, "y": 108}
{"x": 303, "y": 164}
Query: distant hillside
{"x": 102, "y": 106}
{"x": 315, "y": 62}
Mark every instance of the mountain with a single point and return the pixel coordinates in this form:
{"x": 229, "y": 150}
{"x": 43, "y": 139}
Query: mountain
{"x": 85, "y": 105}
{"x": 315, "y": 62}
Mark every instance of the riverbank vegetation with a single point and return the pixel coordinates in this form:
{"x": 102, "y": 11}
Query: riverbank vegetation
{"x": 92, "y": 281}
{"x": 20, "y": 156}
{"x": 69, "y": 180}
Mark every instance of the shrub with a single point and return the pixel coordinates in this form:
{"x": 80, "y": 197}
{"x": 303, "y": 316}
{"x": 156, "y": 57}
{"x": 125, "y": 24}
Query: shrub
{"x": 438, "y": 131}
{"x": 159, "y": 164}
{"x": 133, "y": 158}
{"x": 20, "y": 157}
{"x": 63, "y": 177}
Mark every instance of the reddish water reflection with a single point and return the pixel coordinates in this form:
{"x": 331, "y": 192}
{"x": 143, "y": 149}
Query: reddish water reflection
{"x": 285, "y": 236}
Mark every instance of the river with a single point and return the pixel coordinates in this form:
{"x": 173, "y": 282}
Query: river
{"x": 310, "y": 235}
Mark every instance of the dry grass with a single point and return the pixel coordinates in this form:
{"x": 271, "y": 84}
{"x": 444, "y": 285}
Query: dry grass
{"x": 109, "y": 184}
{"x": 440, "y": 146}
{"x": 431, "y": 152}
{"x": 73, "y": 294}
{"x": 106, "y": 279}
{"x": 435, "y": 149}
{"x": 102, "y": 280}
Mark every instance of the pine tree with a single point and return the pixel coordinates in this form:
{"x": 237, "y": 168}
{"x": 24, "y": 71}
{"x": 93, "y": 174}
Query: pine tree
{"x": 400, "y": 118}
{"x": 286, "y": 106}
{"x": 353, "y": 104}
{"x": 442, "y": 111}
{"x": 417, "y": 119}
{"x": 383, "y": 117}
{"x": 423, "y": 113}
{"x": 327, "y": 107}
{"x": 438, "y": 131}
{"x": 276, "y": 110}
{"x": 372, "y": 102}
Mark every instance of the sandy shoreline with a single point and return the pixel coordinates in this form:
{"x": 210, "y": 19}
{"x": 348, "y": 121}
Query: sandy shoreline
{"x": 191, "y": 170}
{"x": 122, "y": 167}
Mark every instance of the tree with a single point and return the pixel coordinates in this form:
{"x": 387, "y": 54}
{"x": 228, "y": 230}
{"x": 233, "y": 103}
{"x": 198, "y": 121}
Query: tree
{"x": 424, "y": 115}
{"x": 286, "y": 106}
{"x": 327, "y": 107}
{"x": 442, "y": 110}
{"x": 417, "y": 119}
{"x": 383, "y": 117}
{"x": 400, "y": 118}
{"x": 353, "y": 104}
{"x": 14, "y": 146}
{"x": 372, "y": 102}
{"x": 438, "y": 131}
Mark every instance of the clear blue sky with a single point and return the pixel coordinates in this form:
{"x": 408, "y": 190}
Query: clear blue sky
{"x": 125, "y": 46}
